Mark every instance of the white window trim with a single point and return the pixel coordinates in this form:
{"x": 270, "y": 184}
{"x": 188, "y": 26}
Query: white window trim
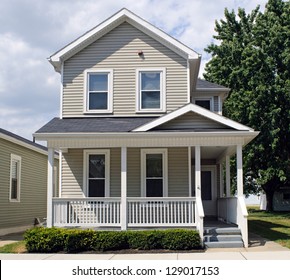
{"x": 210, "y": 99}
{"x": 110, "y": 91}
{"x": 17, "y": 158}
{"x": 87, "y": 153}
{"x": 162, "y": 90}
{"x": 164, "y": 153}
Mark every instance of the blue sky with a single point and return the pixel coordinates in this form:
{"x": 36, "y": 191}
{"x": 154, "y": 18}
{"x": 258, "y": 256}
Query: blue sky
{"x": 32, "y": 30}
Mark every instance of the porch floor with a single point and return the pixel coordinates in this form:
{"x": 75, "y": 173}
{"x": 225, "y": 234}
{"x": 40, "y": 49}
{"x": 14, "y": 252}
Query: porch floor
{"x": 213, "y": 222}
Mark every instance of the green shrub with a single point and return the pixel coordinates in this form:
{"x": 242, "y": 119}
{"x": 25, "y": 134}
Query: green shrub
{"x": 80, "y": 240}
{"x": 49, "y": 240}
{"x": 180, "y": 239}
{"x": 110, "y": 240}
{"x": 45, "y": 240}
{"x": 145, "y": 240}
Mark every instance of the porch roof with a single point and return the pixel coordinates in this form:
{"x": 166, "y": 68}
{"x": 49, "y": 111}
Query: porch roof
{"x": 90, "y": 125}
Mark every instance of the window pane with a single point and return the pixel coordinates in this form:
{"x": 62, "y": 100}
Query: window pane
{"x": 97, "y": 166}
{"x": 150, "y": 81}
{"x": 13, "y": 188}
{"x": 203, "y": 103}
{"x": 154, "y": 187}
{"x": 97, "y": 188}
{"x": 154, "y": 166}
{"x": 98, "y": 82}
{"x": 98, "y": 100}
{"x": 150, "y": 99}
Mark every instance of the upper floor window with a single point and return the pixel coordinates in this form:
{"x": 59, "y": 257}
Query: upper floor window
{"x": 15, "y": 173}
{"x": 205, "y": 103}
{"x": 98, "y": 91}
{"x": 150, "y": 90}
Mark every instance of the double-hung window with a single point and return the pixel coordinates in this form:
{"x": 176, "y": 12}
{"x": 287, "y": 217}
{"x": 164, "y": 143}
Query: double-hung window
{"x": 154, "y": 172}
{"x": 15, "y": 175}
{"x": 98, "y": 91}
{"x": 150, "y": 90}
{"x": 97, "y": 173}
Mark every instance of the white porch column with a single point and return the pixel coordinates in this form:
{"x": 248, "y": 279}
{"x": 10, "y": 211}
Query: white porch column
{"x": 239, "y": 170}
{"x": 50, "y": 177}
{"x": 124, "y": 188}
{"x": 197, "y": 172}
{"x": 189, "y": 173}
{"x": 228, "y": 177}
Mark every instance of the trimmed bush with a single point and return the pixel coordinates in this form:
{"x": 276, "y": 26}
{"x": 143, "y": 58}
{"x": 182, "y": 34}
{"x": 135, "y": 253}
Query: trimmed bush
{"x": 45, "y": 240}
{"x": 180, "y": 239}
{"x": 145, "y": 240}
{"x": 80, "y": 240}
{"x": 110, "y": 240}
{"x": 49, "y": 240}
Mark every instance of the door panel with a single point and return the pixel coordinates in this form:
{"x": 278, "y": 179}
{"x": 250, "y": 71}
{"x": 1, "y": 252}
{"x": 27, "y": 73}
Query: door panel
{"x": 208, "y": 189}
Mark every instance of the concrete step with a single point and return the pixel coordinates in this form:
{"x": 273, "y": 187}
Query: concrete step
{"x": 222, "y": 231}
{"x": 221, "y": 238}
{"x": 225, "y": 244}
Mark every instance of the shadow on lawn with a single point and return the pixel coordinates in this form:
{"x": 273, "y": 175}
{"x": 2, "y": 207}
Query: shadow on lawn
{"x": 269, "y": 230}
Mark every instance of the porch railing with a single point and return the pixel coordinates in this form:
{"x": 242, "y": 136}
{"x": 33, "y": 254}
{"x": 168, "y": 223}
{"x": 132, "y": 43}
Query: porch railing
{"x": 141, "y": 212}
{"x": 161, "y": 212}
{"x": 86, "y": 212}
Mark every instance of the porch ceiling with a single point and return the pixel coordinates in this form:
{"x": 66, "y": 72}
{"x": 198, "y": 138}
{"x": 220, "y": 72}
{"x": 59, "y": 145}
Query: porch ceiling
{"x": 211, "y": 152}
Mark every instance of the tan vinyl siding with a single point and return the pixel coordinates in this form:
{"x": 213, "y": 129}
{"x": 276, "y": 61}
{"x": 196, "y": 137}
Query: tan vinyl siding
{"x": 33, "y": 186}
{"x": 178, "y": 185}
{"x": 72, "y": 173}
{"x": 115, "y": 173}
{"x": 118, "y": 50}
{"x": 191, "y": 121}
{"x": 134, "y": 172}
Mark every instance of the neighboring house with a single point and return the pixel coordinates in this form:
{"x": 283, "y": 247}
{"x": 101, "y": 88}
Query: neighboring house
{"x": 281, "y": 200}
{"x": 142, "y": 139}
{"x": 23, "y": 182}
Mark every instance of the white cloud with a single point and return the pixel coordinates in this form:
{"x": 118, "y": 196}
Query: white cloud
{"x": 31, "y": 30}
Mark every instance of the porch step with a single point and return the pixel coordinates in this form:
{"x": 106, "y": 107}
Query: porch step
{"x": 223, "y": 238}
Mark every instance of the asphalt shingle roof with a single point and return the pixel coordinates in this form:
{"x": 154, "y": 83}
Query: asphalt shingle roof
{"x": 24, "y": 140}
{"x": 203, "y": 84}
{"x": 87, "y": 125}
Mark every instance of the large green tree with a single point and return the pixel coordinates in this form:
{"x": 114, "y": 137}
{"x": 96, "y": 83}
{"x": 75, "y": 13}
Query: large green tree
{"x": 252, "y": 57}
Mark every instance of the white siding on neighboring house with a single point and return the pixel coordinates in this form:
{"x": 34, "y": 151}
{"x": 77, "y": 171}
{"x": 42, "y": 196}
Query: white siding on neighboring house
{"x": 118, "y": 51}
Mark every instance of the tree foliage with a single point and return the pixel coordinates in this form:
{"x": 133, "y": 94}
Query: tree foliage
{"x": 252, "y": 57}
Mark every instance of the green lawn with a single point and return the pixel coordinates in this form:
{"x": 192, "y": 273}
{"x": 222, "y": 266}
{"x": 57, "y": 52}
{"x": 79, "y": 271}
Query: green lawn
{"x": 274, "y": 226}
{"x": 16, "y": 248}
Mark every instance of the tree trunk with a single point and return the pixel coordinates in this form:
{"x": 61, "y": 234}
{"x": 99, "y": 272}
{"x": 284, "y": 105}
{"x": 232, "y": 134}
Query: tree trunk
{"x": 269, "y": 199}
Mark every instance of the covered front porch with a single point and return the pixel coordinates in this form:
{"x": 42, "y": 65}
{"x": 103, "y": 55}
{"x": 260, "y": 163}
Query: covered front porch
{"x": 125, "y": 211}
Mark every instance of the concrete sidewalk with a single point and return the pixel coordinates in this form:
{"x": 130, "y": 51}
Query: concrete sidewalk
{"x": 259, "y": 249}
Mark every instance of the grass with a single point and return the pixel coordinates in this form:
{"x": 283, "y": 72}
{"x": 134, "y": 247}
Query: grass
{"x": 274, "y": 226}
{"x": 14, "y": 248}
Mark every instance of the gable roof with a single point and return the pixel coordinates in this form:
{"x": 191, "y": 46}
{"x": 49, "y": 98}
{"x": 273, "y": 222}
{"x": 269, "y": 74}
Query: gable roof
{"x": 11, "y": 137}
{"x": 195, "y": 109}
{"x": 106, "y": 26}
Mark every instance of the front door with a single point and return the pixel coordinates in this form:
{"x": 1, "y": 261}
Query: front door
{"x": 208, "y": 189}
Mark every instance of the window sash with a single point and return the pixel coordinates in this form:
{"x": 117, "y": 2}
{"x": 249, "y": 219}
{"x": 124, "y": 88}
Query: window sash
{"x": 15, "y": 171}
{"x": 150, "y": 90}
{"x": 97, "y": 173}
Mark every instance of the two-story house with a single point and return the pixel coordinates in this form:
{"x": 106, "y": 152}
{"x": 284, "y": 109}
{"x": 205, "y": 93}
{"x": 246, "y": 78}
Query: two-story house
{"x": 142, "y": 140}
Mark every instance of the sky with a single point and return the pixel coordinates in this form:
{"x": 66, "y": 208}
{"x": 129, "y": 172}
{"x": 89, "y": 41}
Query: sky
{"x": 32, "y": 30}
